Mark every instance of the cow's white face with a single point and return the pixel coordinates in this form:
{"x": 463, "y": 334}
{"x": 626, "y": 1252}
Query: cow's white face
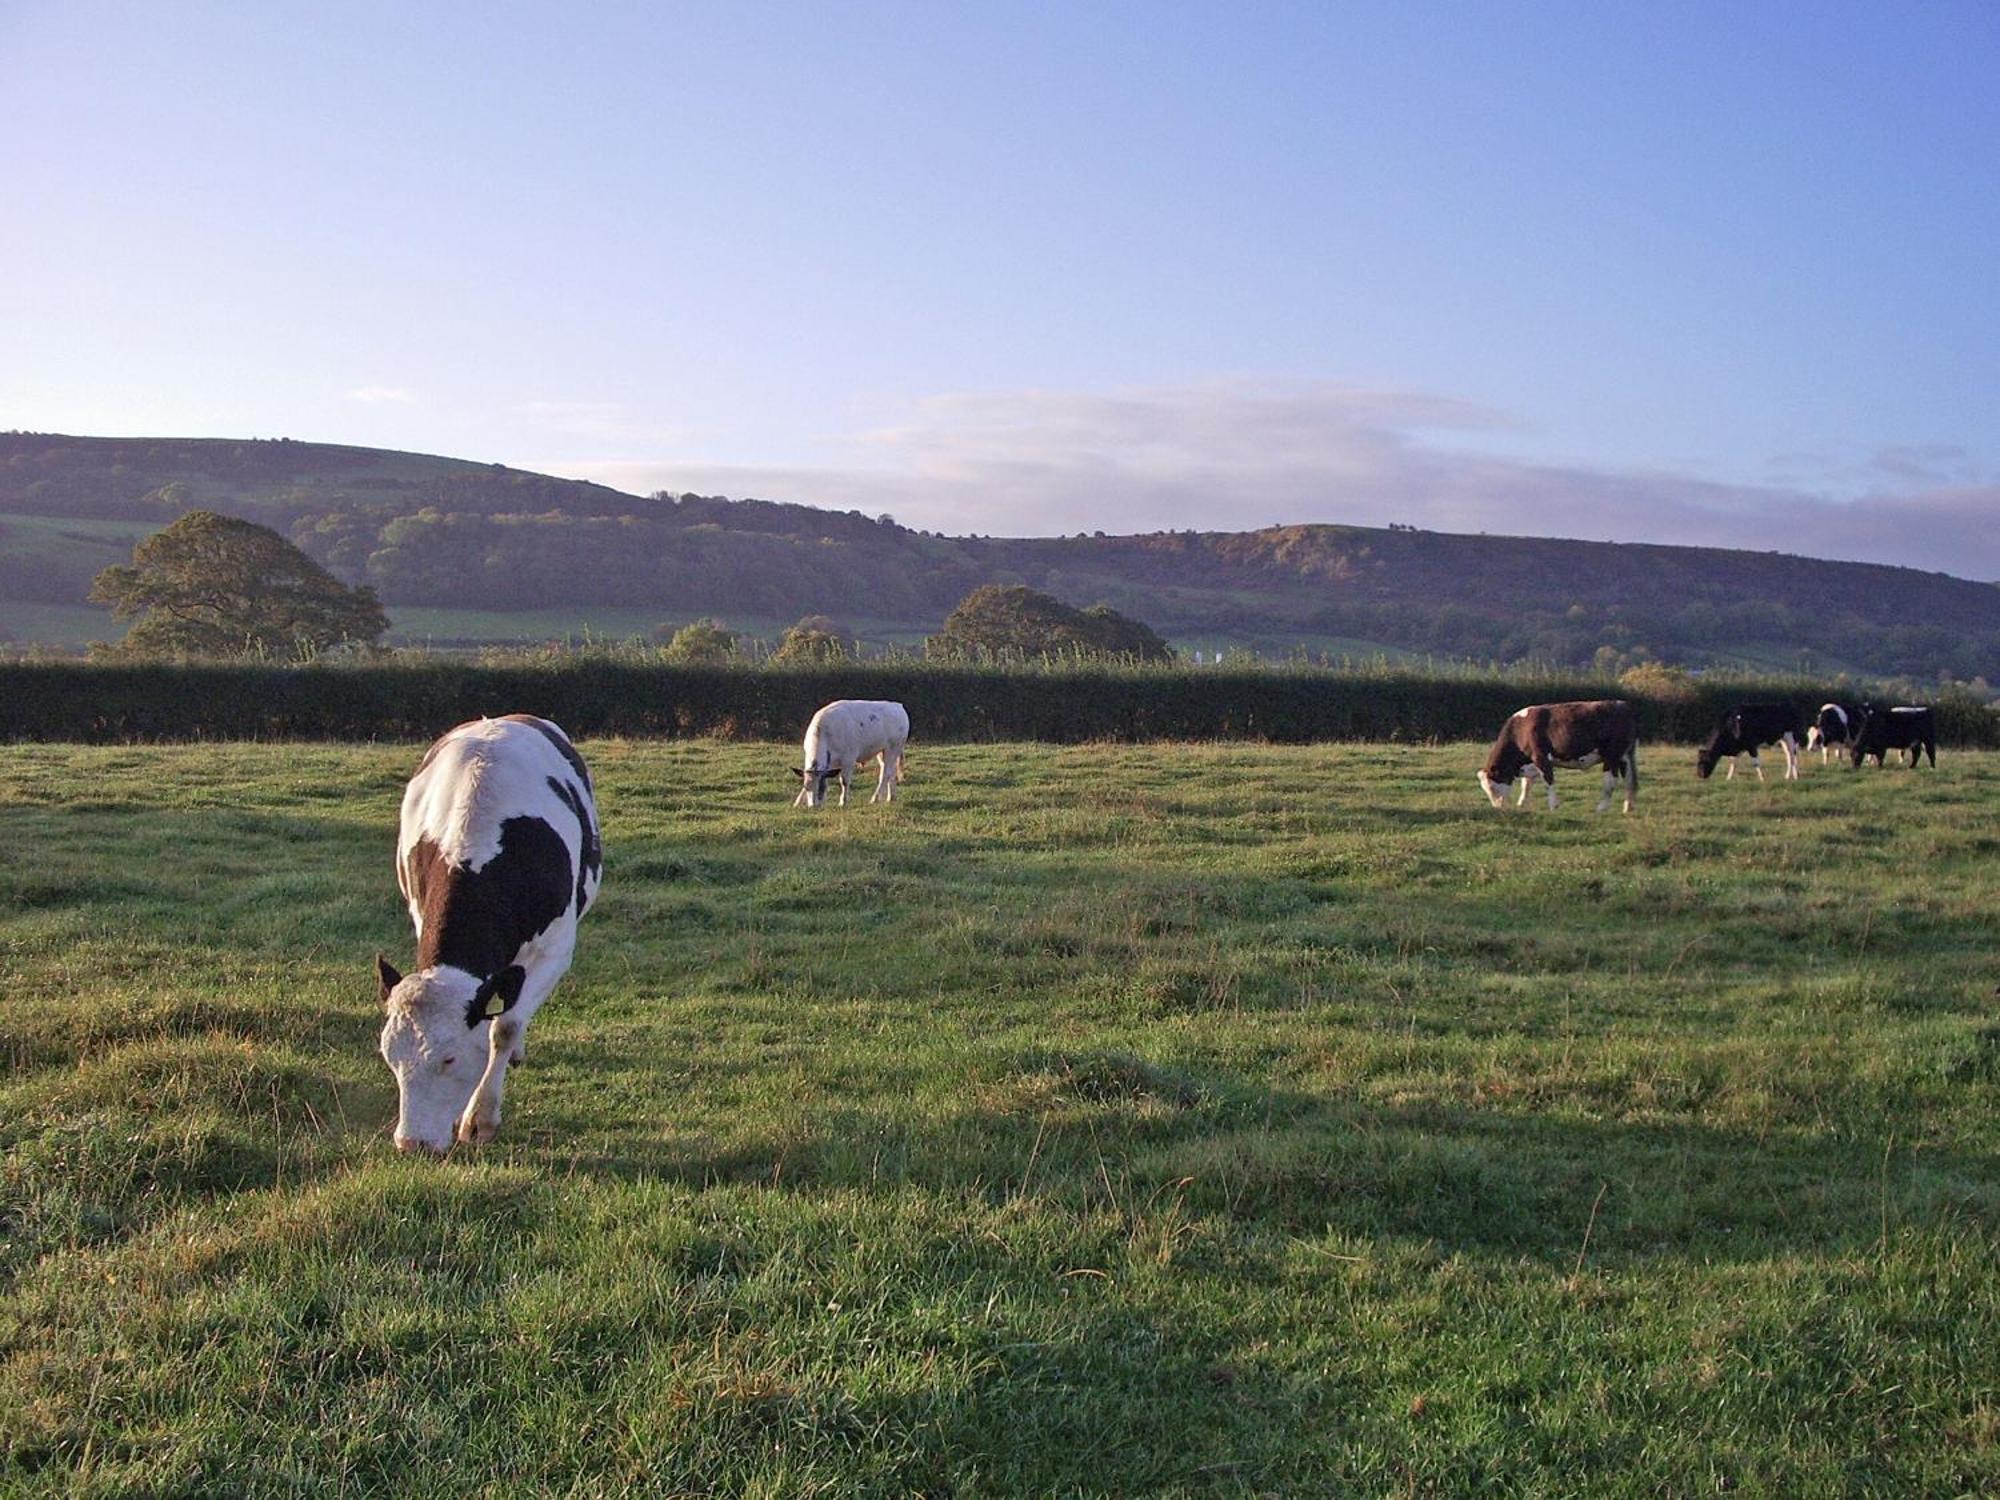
{"x": 812, "y": 790}
{"x": 436, "y": 1057}
{"x": 1496, "y": 792}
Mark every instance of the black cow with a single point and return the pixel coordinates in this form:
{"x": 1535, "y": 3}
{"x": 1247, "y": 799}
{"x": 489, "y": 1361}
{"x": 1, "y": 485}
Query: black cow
{"x": 1602, "y": 732}
{"x": 1745, "y": 728}
{"x": 1884, "y": 729}
{"x": 1834, "y": 726}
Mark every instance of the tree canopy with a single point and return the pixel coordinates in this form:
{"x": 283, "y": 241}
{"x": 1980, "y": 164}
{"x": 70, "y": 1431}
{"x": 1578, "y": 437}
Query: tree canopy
{"x": 1009, "y": 620}
{"x": 212, "y": 585}
{"x": 815, "y": 638}
{"x": 701, "y": 643}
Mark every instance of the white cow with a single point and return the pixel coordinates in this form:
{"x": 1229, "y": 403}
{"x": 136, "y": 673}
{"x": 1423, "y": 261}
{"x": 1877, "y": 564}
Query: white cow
{"x": 845, "y": 734}
{"x": 497, "y": 857}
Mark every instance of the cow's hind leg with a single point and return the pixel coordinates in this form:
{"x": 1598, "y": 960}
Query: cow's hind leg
{"x": 1611, "y": 779}
{"x": 1757, "y": 765}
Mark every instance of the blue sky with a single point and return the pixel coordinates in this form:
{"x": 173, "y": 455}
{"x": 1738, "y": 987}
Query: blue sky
{"x": 1695, "y": 273}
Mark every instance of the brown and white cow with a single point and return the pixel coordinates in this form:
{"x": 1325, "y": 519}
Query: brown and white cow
{"x": 497, "y": 857}
{"x": 1601, "y": 732}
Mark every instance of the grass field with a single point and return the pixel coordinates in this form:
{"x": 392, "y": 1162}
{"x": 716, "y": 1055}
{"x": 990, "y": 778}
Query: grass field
{"x": 1167, "y": 1120}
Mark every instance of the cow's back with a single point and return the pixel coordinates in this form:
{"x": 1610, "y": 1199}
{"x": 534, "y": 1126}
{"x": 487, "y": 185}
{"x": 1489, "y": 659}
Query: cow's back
{"x": 498, "y": 840}
{"x": 1603, "y": 726}
{"x": 857, "y": 727}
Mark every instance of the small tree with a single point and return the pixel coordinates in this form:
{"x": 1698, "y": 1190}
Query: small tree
{"x": 815, "y": 638}
{"x": 1008, "y": 620}
{"x": 212, "y": 585}
{"x": 704, "y": 643}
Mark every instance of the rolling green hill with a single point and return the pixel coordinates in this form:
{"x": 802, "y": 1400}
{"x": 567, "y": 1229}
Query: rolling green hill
{"x": 460, "y": 551}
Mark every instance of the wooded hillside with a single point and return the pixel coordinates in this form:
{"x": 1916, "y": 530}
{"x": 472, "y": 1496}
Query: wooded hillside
{"x": 440, "y": 532}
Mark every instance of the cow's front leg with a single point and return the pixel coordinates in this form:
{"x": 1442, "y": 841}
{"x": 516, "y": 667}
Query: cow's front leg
{"x": 1547, "y": 766}
{"x": 506, "y": 1044}
{"x": 1611, "y": 779}
{"x": 1732, "y": 769}
{"x": 481, "y": 1120}
{"x": 1757, "y": 765}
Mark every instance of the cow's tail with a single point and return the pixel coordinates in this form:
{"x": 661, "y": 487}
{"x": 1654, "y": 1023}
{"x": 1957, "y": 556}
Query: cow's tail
{"x": 1632, "y": 773}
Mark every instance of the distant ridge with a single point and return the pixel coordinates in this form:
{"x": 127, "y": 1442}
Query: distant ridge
{"x": 447, "y": 533}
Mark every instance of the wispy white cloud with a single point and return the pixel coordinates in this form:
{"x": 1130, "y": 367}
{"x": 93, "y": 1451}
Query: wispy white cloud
{"x": 378, "y": 395}
{"x": 1238, "y": 456}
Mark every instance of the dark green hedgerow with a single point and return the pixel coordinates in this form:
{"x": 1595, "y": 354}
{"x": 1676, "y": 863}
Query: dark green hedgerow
{"x": 92, "y": 703}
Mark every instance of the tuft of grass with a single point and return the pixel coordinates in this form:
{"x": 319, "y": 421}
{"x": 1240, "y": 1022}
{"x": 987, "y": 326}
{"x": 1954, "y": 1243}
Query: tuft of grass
{"x": 1094, "y": 1120}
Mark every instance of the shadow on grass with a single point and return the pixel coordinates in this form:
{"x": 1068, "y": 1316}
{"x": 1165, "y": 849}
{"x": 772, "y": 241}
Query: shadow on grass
{"x": 1111, "y": 1132}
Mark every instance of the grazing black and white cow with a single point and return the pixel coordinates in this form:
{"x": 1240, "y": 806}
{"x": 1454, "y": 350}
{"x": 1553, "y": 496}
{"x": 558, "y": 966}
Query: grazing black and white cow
{"x": 843, "y": 735}
{"x": 498, "y": 856}
{"x": 1902, "y": 729}
{"x": 1834, "y": 725}
{"x": 1603, "y": 732}
{"x": 1746, "y": 727}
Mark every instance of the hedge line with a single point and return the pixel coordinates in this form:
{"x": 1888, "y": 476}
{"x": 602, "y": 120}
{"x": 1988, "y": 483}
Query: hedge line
{"x": 91, "y": 703}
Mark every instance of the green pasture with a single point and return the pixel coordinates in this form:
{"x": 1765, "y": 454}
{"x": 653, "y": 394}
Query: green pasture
{"x": 1162, "y": 1120}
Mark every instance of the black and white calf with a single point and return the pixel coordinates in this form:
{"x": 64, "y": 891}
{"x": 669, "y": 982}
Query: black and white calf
{"x": 1903, "y": 729}
{"x": 497, "y": 857}
{"x": 1602, "y": 732}
{"x": 1834, "y": 725}
{"x": 1747, "y": 727}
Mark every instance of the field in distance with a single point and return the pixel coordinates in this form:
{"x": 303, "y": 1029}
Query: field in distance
{"x": 1164, "y": 1119}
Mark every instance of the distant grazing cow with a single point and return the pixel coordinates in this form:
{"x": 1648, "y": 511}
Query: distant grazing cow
{"x": 845, "y": 734}
{"x": 1884, "y": 729}
{"x": 1604, "y": 732}
{"x": 1834, "y": 726}
{"x": 498, "y": 856}
{"x": 1746, "y": 727}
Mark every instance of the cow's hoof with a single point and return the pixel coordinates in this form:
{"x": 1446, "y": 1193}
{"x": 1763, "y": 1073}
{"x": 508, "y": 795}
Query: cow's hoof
{"x": 518, "y": 1056}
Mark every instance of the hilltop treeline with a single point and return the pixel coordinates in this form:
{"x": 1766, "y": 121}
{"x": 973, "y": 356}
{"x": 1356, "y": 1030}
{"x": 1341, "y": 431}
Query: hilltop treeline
{"x": 607, "y": 695}
{"x": 449, "y": 533}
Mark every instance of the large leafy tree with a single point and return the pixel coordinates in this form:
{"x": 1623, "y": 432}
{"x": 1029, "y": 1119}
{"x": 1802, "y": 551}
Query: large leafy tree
{"x": 212, "y": 585}
{"x": 1003, "y": 621}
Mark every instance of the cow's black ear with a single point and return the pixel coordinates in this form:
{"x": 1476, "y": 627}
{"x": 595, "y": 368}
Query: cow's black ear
{"x": 496, "y": 994}
{"x": 386, "y": 975}
{"x": 796, "y": 772}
